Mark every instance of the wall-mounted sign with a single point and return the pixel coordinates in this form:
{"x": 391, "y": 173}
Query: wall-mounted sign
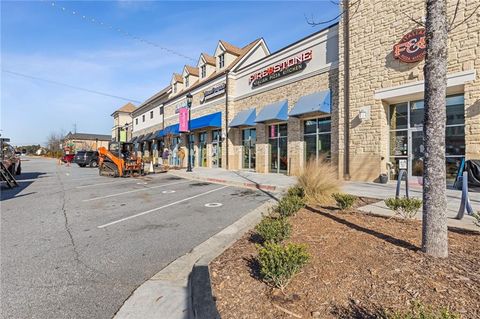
{"x": 289, "y": 66}
{"x": 213, "y": 92}
{"x": 412, "y": 47}
{"x": 183, "y": 120}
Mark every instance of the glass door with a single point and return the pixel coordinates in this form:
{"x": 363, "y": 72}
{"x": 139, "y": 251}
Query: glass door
{"x": 277, "y": 134}
{"x": 416, "y": 155}
{"x": 202, "y": 149}
{"x": 216, "y": 149}
{"x": 249, "y": 140}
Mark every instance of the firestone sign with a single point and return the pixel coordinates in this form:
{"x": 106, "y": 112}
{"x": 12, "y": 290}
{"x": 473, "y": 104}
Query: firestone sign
{"x": 281, "y": 69}
{"x": 412, "y": 47}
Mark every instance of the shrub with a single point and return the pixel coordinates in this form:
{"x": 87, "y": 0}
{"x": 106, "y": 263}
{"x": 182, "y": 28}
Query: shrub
{"x": 419, "y": 311}
{"x": 344, "y": 201}
{"x": 319, "y": 181}
{"x": 296, "y": 191}
{"x": 476, "y": 220}
{"x": 289, "y": 205}
{"x": 279, "y": 263}
{"x": 405, "y": 207}
{"x": 273, "y": 229}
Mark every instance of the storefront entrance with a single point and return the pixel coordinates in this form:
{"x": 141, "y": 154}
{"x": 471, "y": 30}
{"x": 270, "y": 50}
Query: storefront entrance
{"x": 277, "y": 138}
{"x": 202, "y": 149}
{"x": 216, "y": 148}
{"x": 249, "y": 141}
{"x": 406, "y": 137}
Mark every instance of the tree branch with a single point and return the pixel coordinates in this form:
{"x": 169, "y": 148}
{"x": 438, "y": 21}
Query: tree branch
{"x": 454, "y": 15}
{"x": 414, "y": 20}
{"x": 314, "y": 24}
{"x": 465, "y": 20}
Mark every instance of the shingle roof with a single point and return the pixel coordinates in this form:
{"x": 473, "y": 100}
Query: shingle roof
{"x": 215, "y": 74}
{"x": 192, "y": 70}
{"x": 88, "y": 136}
{"x": 230, "y": 48}
{"x": 208, "y": 59}
{"x": 127, "y": 108}
{"x": 178, "y": 77}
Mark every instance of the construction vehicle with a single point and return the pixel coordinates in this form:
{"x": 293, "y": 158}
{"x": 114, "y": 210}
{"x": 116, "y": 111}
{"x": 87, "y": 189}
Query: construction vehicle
{"x": 119, "y": 161}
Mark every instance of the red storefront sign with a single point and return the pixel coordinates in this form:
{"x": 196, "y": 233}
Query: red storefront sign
{"x": 183, "y": 120}
{"x": 412, "y": 47}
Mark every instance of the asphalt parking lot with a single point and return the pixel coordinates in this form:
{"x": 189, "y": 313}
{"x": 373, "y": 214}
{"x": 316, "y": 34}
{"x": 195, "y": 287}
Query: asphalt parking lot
{"x": 76, "y": 245}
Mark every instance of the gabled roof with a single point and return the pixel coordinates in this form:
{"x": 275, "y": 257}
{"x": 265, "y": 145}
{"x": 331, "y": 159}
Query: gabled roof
{"x": 191, "y": 70}
{"x": 216, "y": 74}
{"x": 127, "y": 108}
{"x": 177, "y": 77}
{"x": 88, "y": 136}
{"x": 208, "y": 59}
{"x": 230, "y": 48}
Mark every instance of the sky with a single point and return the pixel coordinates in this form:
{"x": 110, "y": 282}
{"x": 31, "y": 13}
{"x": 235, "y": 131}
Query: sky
{"x": 122, "y": 49}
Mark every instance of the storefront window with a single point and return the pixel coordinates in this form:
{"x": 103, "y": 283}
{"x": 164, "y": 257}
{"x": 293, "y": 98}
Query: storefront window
{"x": 217, "y": 148}
{"x": 277, "y": 134}
{"x": 317, "y": 137}
{"x": 406, "y": 136}
{"x": 249, "y": 139}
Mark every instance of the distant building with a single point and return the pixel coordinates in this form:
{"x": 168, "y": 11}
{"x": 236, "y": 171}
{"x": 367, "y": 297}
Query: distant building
{"x": 85, "y": 141}
{"x": 122, "y": 120}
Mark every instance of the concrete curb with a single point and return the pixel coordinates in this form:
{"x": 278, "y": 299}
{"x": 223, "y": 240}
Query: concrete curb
{"x": 250, "y": 185}
{"x": 168, "y": 294}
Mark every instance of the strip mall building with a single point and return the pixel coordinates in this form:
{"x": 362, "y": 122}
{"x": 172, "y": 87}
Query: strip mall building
{"x": 357, "y": 102}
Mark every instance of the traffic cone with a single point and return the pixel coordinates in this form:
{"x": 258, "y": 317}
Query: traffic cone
{"x": 150, "y": 169}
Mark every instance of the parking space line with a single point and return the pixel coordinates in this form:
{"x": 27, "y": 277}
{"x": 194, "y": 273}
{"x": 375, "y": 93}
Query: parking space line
{"x": 161, "y": 207}
{"x": 107, "y": 183}
{"x": 134, "y": 191}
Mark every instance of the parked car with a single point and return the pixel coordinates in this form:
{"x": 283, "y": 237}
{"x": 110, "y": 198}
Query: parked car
{"x": 67, "y": 158}
{"x": 11, "y": 160}
{"x": 84, "y": 158}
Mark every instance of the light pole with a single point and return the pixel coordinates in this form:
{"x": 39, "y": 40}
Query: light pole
{"x": 189, "y": 98}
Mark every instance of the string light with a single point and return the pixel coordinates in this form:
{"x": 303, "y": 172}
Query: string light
{"x": 125, "y": 33}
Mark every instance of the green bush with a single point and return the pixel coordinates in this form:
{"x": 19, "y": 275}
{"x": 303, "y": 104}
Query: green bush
{"x": 289, "y": 205}
{"x": 279, "y": 263}
{"x": 476, "y": 220}
{"x": 273, "y": 229}
{"x": 296, "y": 191}
{"x": 419, "y": 311}
{"x": 344, "y": 201}
{"x": 405, "y": 207}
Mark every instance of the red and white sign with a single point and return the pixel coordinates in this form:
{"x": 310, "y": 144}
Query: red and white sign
{"x": 412, "y": 47}
{"x": 183, "y": 120}
{"x": 300, "y": 59}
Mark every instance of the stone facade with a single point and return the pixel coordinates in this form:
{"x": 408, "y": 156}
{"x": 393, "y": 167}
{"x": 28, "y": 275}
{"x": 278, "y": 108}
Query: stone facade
{"x": 292, "y": 92}
{"x": 374, "y": 29}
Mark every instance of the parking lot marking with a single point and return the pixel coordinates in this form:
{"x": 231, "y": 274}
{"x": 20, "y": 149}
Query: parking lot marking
{"x": 134, "y": 191}
{"x": 161, "y": 207}
{"x": 107, "y": 183}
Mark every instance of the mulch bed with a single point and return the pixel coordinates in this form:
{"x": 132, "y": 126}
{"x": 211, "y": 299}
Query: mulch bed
{"x": 360, "y": 264}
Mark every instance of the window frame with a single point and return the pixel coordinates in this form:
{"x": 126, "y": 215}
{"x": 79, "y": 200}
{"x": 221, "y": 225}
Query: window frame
{"x": 317, "y": 134}
{"x": 143, "y": 118}
{"x": 187, "y": 80}
{"x": 203, "y": 71}
{"x": 151, "y": 114}
{"x": 221, "y": 60}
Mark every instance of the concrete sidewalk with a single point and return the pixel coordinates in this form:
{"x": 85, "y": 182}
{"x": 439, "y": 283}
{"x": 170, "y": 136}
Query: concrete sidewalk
{"x": 383, "y": 191}
{"x": 266, "y": 182}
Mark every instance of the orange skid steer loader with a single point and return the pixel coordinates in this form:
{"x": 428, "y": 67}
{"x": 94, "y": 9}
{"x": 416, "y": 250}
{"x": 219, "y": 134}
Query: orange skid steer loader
{"x": 118, "y": 161}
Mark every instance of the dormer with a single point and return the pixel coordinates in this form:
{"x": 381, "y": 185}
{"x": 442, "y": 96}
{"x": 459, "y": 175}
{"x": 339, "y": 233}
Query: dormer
{"x": 225, "y": 54}
{"x": 206, "y": 65}
{"x": 190, "y": 76}
{"x": 176, "y": 83}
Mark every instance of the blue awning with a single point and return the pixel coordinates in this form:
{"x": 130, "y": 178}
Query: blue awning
{"x": 210, "y": 120}
{"x": 172, "y": 129}
{"x": 312, "y": 103}
{"x": 148, "y": 137}
{"x": 157, "y": 135}
{"x": 134, "y": 139}
{"x": 244, "y": 118}
{"x": 277, "y": 111}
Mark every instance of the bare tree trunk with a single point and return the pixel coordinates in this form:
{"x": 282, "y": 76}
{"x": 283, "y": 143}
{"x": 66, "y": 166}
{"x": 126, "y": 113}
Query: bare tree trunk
{"x": 434, "y": 230}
